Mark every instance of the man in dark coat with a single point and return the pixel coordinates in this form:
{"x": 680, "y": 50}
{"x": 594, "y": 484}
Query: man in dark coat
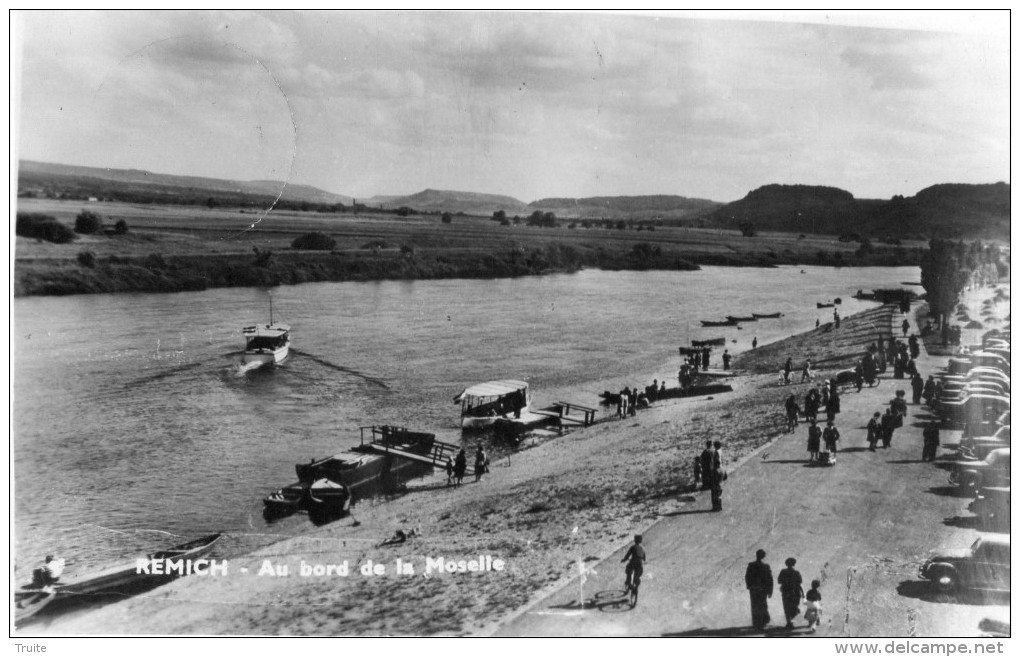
{"x": 916, "y": 386}
{"x": 758, "y": 579}
{"x": 874, "y": 431}
{"x": 717, "y": 477}
{"x": 888, "y": 426}
{"x": 705, "y": 353}
{"x": 931, "y": 441}
{"x": 707, "y": 466}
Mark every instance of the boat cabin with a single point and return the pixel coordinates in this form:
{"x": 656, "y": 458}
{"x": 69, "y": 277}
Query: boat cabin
{"x": 269, "y": 337}
{"x": 483, "y": 403}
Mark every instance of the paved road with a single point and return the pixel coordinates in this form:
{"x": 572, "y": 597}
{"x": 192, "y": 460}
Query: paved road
{"x": 863, "y": 527}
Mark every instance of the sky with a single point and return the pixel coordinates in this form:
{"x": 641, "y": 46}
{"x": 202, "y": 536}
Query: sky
{"x": 528, "y": 105}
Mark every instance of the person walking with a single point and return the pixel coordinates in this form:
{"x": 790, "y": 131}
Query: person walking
{"x": 791, "y": 590}
{"x": 888, "y": 426}
{"x": 832, "y": 405}
{"x": 906, "y": 326}
{"x": 792, "y": 411}
{"x": 874, "y": 431}
{"x": 931, "y": 441}
{"x": 758, "y": 579}
{"x": 805, "y": 374}
{"x": 812, "y": 400}
{"x": 917, "y": 386}
{"x": 929, "y": 390}
{"x": 814, "y": 441}
{"x": 480, "y": 462}
{"x": 813, "y": 615}
{"x": 707, "y": 466}
{"x": 754, "y": 342}
{"x": 449, "y": 472}
{"x": 726, "y": 359}
{"x": 899, "y": 407}
{"x": 787, "y": 368}
{"x": 459, "y": 468}
{"x": 831, "y": 437}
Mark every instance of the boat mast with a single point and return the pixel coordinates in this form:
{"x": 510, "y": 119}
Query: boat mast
{"x": 270, "y": 309}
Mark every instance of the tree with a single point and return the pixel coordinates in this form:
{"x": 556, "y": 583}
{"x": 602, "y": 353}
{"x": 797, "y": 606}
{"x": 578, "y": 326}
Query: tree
{"x": 42, "y": 227}
{"x": 87, "y": 259}
{"x": 120, "y": 228}
{"x": 747, "y": 229}
{"x": 88, "y": 223}
{"x": 499, "y": 215}
{"x": 943, "y": 277}
{"x": 447, "y": 218}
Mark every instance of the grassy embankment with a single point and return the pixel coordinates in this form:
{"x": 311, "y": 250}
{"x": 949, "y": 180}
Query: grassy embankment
{"x": 174, "y": 248}
{"x": 565, "y": 499}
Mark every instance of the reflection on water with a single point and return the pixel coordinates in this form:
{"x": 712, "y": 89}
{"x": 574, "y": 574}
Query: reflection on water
{"x": 133, "y": 429}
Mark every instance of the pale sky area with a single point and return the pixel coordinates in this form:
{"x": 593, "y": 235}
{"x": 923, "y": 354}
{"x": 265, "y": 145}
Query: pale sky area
{"x": 529, "y": 105}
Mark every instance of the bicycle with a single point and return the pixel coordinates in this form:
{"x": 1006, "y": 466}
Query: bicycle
{"x": 633, "y": 583}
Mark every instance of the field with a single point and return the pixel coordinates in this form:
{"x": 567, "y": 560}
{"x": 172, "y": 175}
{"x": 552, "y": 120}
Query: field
{"x": 370, "y": 247}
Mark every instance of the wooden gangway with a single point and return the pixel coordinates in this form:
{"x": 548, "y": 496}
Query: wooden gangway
{"x": 414, "y": 446}
{"x": 561, "y": 411}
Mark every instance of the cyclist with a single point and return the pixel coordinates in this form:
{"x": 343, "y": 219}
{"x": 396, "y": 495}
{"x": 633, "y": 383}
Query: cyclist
{"x": 635, "y": 559}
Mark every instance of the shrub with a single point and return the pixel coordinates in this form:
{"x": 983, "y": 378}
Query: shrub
{"x": 747, "y": 229}
{"x": 42, "y": 227}
{"x": 375, "y": 244}
{"x": 87, "y": 259}
{"x": 88, "y": 222}
{"x": 407, "y": 250}
{"x": 314, "y": 242}
{"x": 447, "y": 218}
{"x": 120, "y": 228}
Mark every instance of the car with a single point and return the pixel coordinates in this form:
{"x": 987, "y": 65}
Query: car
{"x": 974, "y": 409}
{"x": 984, "y": 565}
{"x": 976, "y": 448}
{"x": 970, "y": 476}
{"x": 991, "y": 507}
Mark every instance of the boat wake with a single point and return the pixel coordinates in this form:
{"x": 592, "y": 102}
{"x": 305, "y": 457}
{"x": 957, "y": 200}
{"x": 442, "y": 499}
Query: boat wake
{"x": 173, "y": 371}
{"x": 340, "y": 368}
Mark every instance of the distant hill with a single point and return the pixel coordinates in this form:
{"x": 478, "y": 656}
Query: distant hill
{"x": 951, "y": 210}
{"x": 135, "y": 185}
{"x": 626, "y": 207}
{"x": 438, "y": 200}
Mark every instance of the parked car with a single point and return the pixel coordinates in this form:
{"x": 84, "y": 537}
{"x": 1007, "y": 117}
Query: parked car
{"x": 984, "y": 565}
{"x": 976, "y": 448}
{"x": 991, "y": 507}
{"x": 974, "y": 409}
{"x": 970, "y": 476}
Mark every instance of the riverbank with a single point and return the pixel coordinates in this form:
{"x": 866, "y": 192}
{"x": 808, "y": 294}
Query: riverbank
{"x": 173, "y": 249}
{"x": 557, "y": 502}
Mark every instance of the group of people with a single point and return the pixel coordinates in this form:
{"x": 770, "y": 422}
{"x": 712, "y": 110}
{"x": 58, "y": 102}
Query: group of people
{"x": 825, "y": 396}
{"x": 629, "y": 400}
{"x": 760, "y": 586}
{"x": 457, "y": 468}
{"x": 708, "y": 471}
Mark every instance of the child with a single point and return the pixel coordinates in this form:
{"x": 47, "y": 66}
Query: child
{"x": 449, "y": 472}
{"x": 814, "y": 606}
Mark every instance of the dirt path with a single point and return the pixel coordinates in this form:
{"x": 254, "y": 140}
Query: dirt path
{"x": 862, "y": 527}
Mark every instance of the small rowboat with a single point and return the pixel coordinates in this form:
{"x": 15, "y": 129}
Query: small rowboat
{"x": 826, "y": 305}
{"x": 325, "y": 497}
{"x": 727, "y": 322}
{"x": 28, "y": 602}
{"x": 741, "y": 319}
{"x": 712, "y": 342}
{"x": 284, "y": 501}
{"x": 769, "y": 316}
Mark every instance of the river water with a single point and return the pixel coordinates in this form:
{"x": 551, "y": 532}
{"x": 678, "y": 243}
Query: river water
{"x": 133, "y": 428}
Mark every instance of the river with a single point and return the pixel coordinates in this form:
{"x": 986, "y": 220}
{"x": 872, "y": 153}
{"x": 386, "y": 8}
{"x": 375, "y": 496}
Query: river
{"x": 133, "y": 428}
